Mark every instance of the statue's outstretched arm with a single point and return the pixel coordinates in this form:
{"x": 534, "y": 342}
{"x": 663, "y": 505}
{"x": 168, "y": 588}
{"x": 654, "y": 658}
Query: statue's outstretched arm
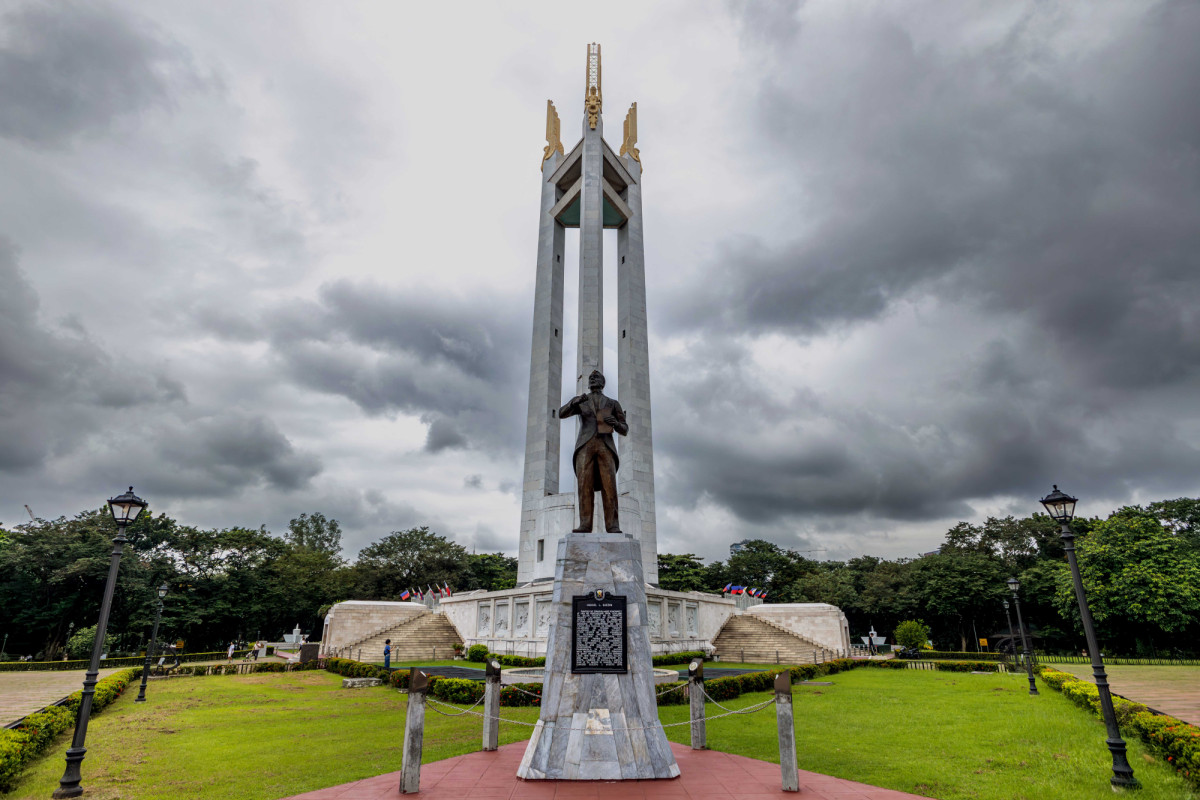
{"x": 571, "y": 408}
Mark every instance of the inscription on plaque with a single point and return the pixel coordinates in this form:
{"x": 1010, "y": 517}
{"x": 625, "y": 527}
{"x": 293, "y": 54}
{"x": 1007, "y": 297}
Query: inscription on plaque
{"x": 598, "y": 633}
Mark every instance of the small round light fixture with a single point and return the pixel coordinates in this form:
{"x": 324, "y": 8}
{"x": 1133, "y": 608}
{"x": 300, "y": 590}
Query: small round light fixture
{"x": 1014, "y": 585}
{"x": 162, "y": 591}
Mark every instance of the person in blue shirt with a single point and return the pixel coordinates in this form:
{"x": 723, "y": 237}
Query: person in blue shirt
{"x": 387, "y": 654}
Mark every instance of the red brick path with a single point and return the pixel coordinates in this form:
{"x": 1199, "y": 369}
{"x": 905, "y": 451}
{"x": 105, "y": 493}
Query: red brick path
{"x": 705, "y": 774}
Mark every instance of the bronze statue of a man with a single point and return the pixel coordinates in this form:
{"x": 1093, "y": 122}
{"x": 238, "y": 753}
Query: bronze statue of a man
{"x": 595, "y": 460}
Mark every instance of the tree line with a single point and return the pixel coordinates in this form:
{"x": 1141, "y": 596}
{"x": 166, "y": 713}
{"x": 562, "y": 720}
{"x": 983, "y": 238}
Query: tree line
{"x": 231, "y": 584}
{"x": 1140, "y": 567}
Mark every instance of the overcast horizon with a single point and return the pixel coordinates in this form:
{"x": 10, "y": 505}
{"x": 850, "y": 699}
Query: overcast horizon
{"x": 906, "y": 265}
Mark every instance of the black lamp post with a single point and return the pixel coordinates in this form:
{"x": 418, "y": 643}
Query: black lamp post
{"x": 1014, "y": 585}
{"x": 1061, "y": 507}
{"x": 162, "y": 592}
{"x": 1012, "y": 638}
{"x": 125, "y": 509}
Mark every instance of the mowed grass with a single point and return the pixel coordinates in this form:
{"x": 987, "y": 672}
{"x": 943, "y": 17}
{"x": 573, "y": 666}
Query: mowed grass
{"x": 254, "y": 737}
{"x": 267, "y": 736}
{"x": 954, "y": 736}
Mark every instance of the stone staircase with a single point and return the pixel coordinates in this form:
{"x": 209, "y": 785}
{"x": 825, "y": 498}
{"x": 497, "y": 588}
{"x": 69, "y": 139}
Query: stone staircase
{"x": 745, "y": 637}
{"x": 427, "y": 637}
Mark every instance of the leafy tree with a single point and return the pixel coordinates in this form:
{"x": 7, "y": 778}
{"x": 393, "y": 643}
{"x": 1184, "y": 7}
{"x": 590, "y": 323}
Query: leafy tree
{"x": 956, "y": 589}
{"x": 79, "y": 646}
{"x": 911, "y": 633}
{"x": 406, "y": 559}
{"x": 489, "y": 571}
{"x": 683, "y": 573}
{"x": 315, "y": 533}
{"x": 1141, "y": 579}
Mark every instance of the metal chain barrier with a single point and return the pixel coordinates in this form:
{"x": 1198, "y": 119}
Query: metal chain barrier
{"x": 729, "y": 713}
{"x": 672, "y": 689}
{"x": 466, "y": 710}
{"x": 522, "y": 691}
{"x": 730, "y": 710}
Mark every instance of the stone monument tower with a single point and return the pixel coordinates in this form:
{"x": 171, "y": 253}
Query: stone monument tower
{"x": 590, "y": 188}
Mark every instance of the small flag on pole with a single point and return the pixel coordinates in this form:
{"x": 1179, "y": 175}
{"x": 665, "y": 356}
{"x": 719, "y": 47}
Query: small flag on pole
{"x": 728, "y": 586}
{"x": 405, "y": 594}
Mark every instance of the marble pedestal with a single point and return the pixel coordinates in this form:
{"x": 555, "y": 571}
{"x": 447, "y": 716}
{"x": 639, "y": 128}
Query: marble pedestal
{"x": 598, "y": 726}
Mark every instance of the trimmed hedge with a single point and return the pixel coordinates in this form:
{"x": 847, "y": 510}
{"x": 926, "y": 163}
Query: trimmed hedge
{"x": 684, "y": 657}
{"x": 517, "y": 661}
{"x": 133, "y": 661}
{"x": 477, "y": 653}
{"x": 1173, "y": 739}
{"x": 37, "y": 732}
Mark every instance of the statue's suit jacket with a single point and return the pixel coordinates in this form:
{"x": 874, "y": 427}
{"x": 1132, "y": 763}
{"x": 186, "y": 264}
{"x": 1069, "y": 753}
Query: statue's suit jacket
{"x": 590, "y": 427}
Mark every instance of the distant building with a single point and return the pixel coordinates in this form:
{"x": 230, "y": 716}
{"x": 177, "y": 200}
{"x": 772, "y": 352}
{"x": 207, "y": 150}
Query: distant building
{"x": 738, "y": 547}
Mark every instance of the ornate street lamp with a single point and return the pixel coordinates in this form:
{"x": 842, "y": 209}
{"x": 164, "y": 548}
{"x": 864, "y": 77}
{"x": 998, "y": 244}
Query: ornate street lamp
{"x": 125, "y": 509}
{"x": 1012, "y": 637}
{"x": 1013, "y": 586}
{"x": 162, "y": 592}
{"x": 1061, "y": 507}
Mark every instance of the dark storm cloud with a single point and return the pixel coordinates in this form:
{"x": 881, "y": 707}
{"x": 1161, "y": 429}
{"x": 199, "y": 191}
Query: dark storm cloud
{"x": 454, "y": 363}
{"x": 72, "y": 68}
{"x": 1051, "y": 192}
{"x": 227, "y": 454}
{"x": 55, "y": 383}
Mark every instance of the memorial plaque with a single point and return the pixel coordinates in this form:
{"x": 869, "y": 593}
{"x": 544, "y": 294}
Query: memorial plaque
{"x": 598, "y": 633}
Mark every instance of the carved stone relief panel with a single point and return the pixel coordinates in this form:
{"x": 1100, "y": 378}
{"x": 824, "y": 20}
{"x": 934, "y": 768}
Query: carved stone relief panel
{"x": 543, "y": 618}
{"x": 521, "y": 613}
{"x": 690, "y": 620}
{"x": 654, "y": 617}
{"x": 484, "y": 627}
{"x": 673, "y": 619}
{"x": 502, "y": 619}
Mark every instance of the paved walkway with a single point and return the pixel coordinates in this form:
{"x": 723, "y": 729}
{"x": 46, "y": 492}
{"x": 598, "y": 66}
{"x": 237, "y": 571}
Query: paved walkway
{"x": 22, "y": 693}
{"x": 1171, "y": 690}
{"x": 705, "y": 774}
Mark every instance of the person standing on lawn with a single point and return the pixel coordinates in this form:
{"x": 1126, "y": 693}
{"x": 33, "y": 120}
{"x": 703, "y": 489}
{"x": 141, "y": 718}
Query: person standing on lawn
{"x": 230, "y": 653}
{"x": 387, "y": 653}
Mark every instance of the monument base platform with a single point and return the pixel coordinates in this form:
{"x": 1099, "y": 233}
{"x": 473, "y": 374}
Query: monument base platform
{"x": 706, "y": 775}
{"x": 599, "y": 718}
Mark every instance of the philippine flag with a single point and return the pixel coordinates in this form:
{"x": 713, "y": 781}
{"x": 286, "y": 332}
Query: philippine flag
{"x": 405, "y": 594}
{"x": 728, "y": 586}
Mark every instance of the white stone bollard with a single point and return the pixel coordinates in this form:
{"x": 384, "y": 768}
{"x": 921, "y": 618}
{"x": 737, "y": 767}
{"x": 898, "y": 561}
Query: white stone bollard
{"x": 414, "y": 732}
{"x": 787, "y": 732}
{"x": 696, "y": 703}
{"x": 491, "y": 706}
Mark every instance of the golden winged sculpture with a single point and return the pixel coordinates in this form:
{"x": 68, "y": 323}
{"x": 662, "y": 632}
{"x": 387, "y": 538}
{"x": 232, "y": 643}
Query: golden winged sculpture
{"x": 630, "y": 144}
{"x": 553, "y": 132}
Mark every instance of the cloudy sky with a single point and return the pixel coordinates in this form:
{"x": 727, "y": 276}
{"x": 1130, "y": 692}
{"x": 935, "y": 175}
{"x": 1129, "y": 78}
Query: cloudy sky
{"x": 907, "y": 263}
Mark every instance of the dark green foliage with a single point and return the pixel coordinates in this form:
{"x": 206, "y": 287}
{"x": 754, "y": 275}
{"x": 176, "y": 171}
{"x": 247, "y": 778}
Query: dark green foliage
{"x": 477, "y": 653}
{"x": 685, "y": 657}
{"x": 911, "y": 633}
{"x": 683, "y": 573}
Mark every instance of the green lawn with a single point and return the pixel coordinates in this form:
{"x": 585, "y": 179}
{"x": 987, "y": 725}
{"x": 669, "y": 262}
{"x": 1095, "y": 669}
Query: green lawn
{"x": 260, "y": 737}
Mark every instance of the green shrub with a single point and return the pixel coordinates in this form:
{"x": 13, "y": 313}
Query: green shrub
{"x": 477, "y": 653}
{"x": 79, "y": 646}
{"x": 967, "y": 666}
{"x": 911, "y": 633}
{"x": 514, "y": 661}
{"x": 1173, "y": 739}
{"x": 685, "y": 657}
